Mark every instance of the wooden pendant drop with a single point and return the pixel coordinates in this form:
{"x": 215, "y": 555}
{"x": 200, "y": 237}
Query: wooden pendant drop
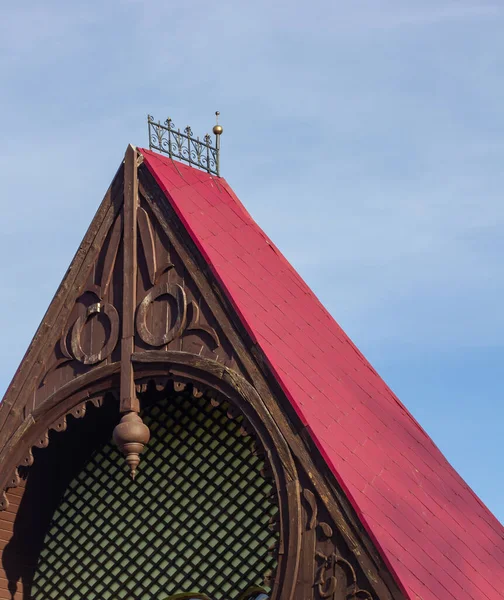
{"x": 131, "y": 434}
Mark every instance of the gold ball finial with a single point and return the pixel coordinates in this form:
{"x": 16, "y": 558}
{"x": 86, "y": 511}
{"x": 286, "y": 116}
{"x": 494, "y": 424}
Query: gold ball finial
{"x": 217, "y": 128}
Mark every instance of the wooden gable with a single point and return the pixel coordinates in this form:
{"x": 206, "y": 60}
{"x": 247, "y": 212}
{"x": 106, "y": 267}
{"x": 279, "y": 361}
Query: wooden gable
{"x": 139, "y": 312}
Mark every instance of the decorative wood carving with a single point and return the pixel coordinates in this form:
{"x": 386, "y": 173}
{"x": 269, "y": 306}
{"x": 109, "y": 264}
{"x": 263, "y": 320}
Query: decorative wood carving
{"x": 195, "y": 324}
{"x": 170, "y": 311}
{"x": 332, "y": 575}
{"x": 131, "y": 435}
{"x": 310, "y": 498}
{"x": 75, "y": 332}
{"x": 146, "y": 236}
{"x": 42, "y": 441}
{"x": 111, "y": 256}
{"x": 182, "y": 315}
{"x": 92, "y": 302}
{"x": 334, "y": 571}
{"x": 200, "y": 333}
{"x": 312, "y": 524}
{"x": 175, "y": 291}
{"x": 98, "y": 308}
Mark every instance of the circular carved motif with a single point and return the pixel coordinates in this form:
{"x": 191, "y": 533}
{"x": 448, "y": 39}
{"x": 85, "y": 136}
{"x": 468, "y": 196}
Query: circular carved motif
{"x": 111, "y": 313}
{"x": 177, "y": 292}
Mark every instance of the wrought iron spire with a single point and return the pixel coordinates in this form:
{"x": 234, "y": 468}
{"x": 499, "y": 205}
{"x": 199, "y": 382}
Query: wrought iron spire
{"x": 182, "y": 145}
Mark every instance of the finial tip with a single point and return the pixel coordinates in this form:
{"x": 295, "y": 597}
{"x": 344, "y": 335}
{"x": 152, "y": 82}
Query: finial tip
{"x": 217, "y": 128}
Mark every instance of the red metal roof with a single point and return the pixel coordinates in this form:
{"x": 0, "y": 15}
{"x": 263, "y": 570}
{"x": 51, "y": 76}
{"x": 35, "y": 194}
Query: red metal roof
{"x": 436, "y": 535}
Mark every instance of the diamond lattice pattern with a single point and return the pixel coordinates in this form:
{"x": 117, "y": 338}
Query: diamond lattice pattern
{"x": 196, "y": 519}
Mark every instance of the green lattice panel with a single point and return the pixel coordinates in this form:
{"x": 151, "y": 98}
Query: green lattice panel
{"x": 195, "y": 519}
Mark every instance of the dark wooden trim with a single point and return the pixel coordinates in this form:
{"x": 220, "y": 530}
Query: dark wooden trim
{"x": 63, "y": 401}
{"x": 128, "y": 398}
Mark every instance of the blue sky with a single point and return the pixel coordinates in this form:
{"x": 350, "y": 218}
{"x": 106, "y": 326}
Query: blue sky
{"x": 365, "y": 137}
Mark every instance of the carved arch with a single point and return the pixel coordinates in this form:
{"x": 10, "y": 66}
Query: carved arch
{"x": 205, "y": 375}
